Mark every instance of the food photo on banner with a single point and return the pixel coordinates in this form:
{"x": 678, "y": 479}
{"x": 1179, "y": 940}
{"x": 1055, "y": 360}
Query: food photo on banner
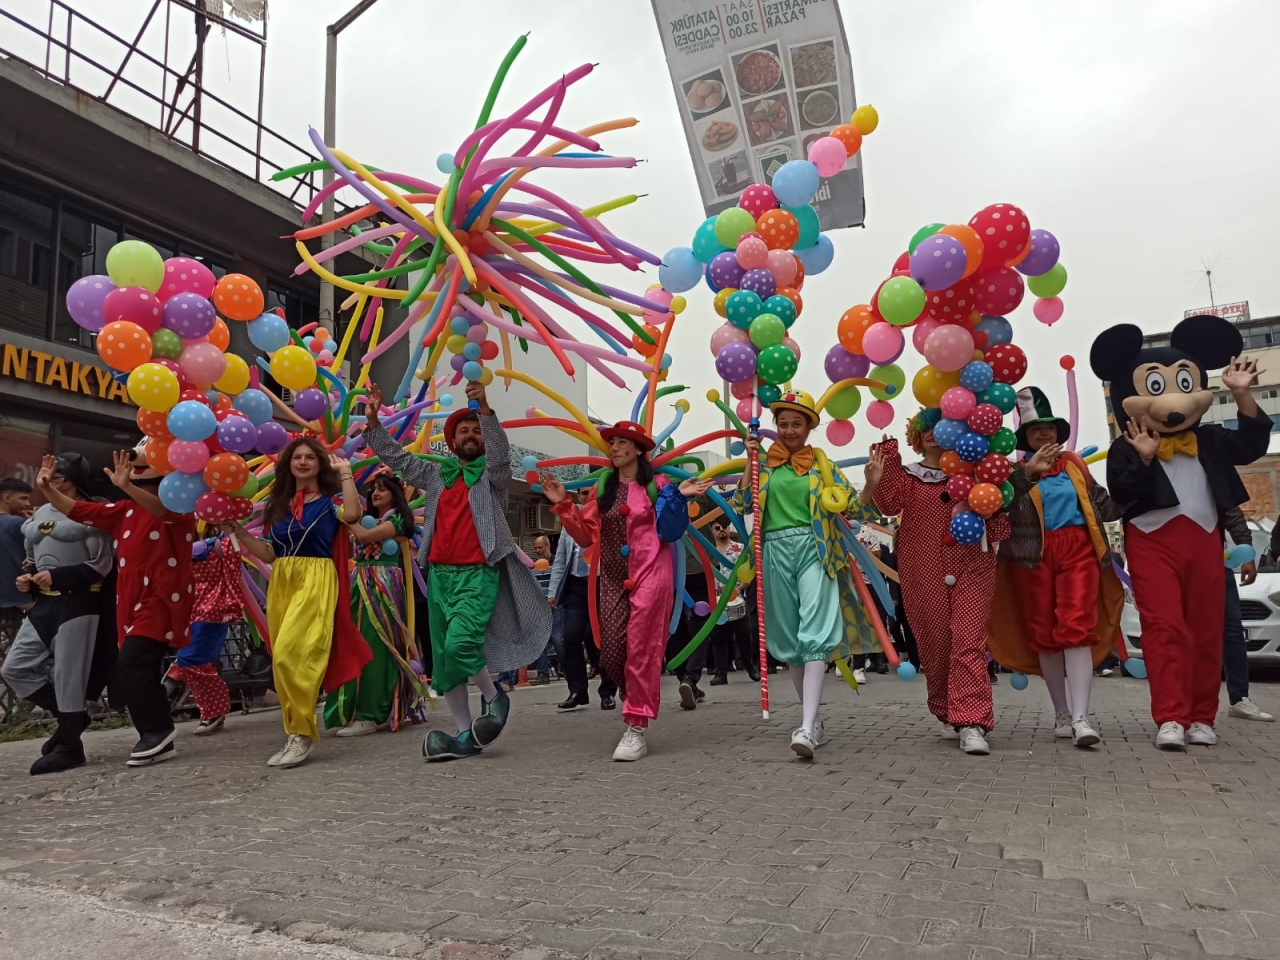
{"x": 756, "y": 85}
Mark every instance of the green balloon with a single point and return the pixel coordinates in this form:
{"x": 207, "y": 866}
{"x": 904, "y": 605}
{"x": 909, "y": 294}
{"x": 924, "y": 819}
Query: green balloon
{"x": 922, "y": 234}
{"x": 782, "y": 307}
{"x": 742, "y": 307}
{"x": 1006, "y": 494}
{"x": 1003, "y": 441}
{"x": 776, "y": 364}
{"x": 767, "y": 393}
{"x": 249, "y": 489}
{"x": 1000, "y": 395}
{"x": 807, "y": 217}
{"x": 901, "y": 301}
{"x": 767, "y": 330}
{"x": 844, "y": 404}
{"x": 731, "y": 224}
{"x": 1050, "y": 283}
{"x": 893, "y": 378}
{"x": 132, "y": 263}
{"x": 166, "y": 345}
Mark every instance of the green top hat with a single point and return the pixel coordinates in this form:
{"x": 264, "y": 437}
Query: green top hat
{"x": 1033, "y": 407}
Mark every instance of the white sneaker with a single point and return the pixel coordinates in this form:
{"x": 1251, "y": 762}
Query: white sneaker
{"x": 1083, "y": 734}
{"x": 859, "y": 676}
{"x": 1171, "y": 736}
{"x": 949, "y": 732}
{"x": 1202, "y": 734}
{"x": 819, "y": 733}
{"x": 803, "y": 743}
{"x": 279, "y": 754}
{"x": 1106, "y": 672}
{"x": 973, "y": 741}
{"x": 358, "y": 728}
{"x": 1062, "y": 726}
{"x": 1246, "y": 709}
{"x": 632, "y": 746}
{"x": 297, "y": 751}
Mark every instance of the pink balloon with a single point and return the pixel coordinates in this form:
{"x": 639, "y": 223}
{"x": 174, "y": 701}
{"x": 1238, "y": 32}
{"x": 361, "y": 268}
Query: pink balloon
{"x": 839, "y": 432}
{"x": 184, "y": 275}
{"x": 920, "y": 332}
{"x": 135, "y": 305}
{"x": 753, "y": 254}
{"x": 1049, "y": 310}
{"x": 203, "y": 363}
{"x": 957, "y": 403}
{"x": 745, "y": 408}
{"x": 742, "y": 389}
{"x": 726, "y": 334}
{"x": 782, "y": 264}
{"x": 792, "y": 346}
{"x": 883, "y": 343}
{"x": 948, "y": 348}
{"x": 880, "y": 414}
{"x": 828, "y": 155}
{"x": 757, "y": 199}
{"x": 177, "y": 371}
{"x": 188, "y": 456}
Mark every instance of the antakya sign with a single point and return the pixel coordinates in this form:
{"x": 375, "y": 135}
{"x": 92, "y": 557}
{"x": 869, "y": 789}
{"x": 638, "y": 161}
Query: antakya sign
{"x": 69, "y": 376}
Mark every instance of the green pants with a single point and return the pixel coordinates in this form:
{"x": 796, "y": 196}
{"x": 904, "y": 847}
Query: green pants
{"x": 370, "y": 695}
{"x": 802, "y": 617}
{"x": 460, "y": 600}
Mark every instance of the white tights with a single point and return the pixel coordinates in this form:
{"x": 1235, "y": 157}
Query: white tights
{"x": 457, "y": 698}
{"x": 1069, "y": 676}
{"x": 808, "y": 683}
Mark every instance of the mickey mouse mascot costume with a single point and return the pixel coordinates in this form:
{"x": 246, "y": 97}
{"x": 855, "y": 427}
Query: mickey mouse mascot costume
{"x": 1175, "y": 476}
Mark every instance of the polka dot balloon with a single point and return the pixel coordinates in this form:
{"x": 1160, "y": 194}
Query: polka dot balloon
{"x": 184, "y": 275}
{"x": 237, "y": 434}
{"x": 1008, "y": 363}
{"x": 967, "y": 528}
{"x": 971, "y": 447}
{"x": 984, "y": 419}
{"x": 760, "y": 282}
{"x": 779, "y": 229}
{"x": 737, "y": 361}
{"x": 993, "y": 468}
{"x": 998, "y": 291}
{"x": 213, "y": 507}
{"x": 85, "y": 300}
{"x": 238, "y": 297}
{"x": 189, "y": 315}
{"x": 180, "y": 491}
{"x": 226, "y": 472}
{"x": 1005, "y": 233}
{"x": 743, "y": 307}
{"x": 985, "y": 499}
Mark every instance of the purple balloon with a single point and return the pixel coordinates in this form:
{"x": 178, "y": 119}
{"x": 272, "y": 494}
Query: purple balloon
{"x": 724, "y": 269}
{"x": 938, "y": 262}
{"x": 736, "y": 362}
{"x": 840, "y": 364}
{"x": 457, "y": 361}
{"x": 759, "y": 281}
{"x": 199, "y": 549}
{"x": 237, "y": 435}
{"x": 310, "y": 404}
{"x": 85, "y": 300}
{"x": 189, "y": 315}
{"x": 272, "y": 438}
{"x": 1043, "y": 256}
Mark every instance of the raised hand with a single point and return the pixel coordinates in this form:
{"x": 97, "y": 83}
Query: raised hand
{"x": 552, "y": 488}
{"x": 48, "y": 467}
{"x": 874, "y": 468}
{"x": 1144, "y": 441}
{"x": 1043, "y": 459}
{"x": 694, "y": 488}
{"x": 1241, "y": 374}
{"x": 475, "y": 391}
{"x": 341, "y": 464}
{"x": 372, "y": 404}
{"x": 121, "y": 468}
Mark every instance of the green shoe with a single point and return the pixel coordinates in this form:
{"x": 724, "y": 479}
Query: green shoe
{"x": 442, "y": 746}
{"x": 486, "y": 727}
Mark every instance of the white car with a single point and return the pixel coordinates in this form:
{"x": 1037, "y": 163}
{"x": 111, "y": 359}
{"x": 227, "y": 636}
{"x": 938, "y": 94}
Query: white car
{"x": 1259, "y": 607}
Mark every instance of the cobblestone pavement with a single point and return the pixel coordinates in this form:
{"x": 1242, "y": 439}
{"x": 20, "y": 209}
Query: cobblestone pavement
{"x": 719, "y": 845}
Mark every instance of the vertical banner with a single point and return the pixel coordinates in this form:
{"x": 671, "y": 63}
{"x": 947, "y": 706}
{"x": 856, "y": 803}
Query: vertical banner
{"x": 756, "y": 82}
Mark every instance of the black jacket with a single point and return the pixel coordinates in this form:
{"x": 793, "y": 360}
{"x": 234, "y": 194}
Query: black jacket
{"x": 1146, "y": 487}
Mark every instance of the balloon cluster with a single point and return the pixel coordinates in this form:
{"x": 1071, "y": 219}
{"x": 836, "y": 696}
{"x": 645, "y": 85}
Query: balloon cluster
{"x": 158, "y": 328}
{"x": 953, "y": 288}
{"x": 755, "y": 257}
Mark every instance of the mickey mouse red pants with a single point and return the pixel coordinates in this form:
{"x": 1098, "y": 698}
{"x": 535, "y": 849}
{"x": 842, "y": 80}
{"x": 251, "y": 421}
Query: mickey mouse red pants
{"x": 1175, "y": 572}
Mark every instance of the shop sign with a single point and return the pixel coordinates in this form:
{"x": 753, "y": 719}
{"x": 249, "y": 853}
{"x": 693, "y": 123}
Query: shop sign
{"x": 69, "y": 376}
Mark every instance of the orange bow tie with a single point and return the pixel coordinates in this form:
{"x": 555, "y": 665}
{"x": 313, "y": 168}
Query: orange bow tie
{"x": 801, "y": 461}
{"x": 1184, "y": 442}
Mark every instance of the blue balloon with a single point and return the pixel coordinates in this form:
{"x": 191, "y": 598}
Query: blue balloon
{"x": 368, "y": 522}
{"x": 1137, "y": 667}
{"x": 471, "y": 351}
{"x": 705, "y": 243}
{"x": 947, "y": 432}
{"x": 191, "y": 420}
{"x": 390, "y": 548}
{"x": 444, "y": 163}
{"x": 1018, "y": 681}
{"x": 625, "y": 551}
{"x": 976, "y": 375}
{"x": 530, "y": 462}
{"x": 120, "y": 376}
{"x": 906, "y": 671}
{"x": 967, "y": 528}
{"x": 997, "y": 329}
{"x": 1089, "y": 451}
{"x": 268, "y": 333}
{"x": 818, "y": 257}
{"x": 971, "y": 447}
{"x": 471, "y": 370}
{"x": 666, "y": 362}
{"x": 680, "y": 270}
{"x": 737, "y": 448}
{"x": 459, "y": 325}
{"x": 796, "y": 184}
{"x": 445, "y": 399}
{"x": 255, "y": 405}
{"x": 1239, "y": 555}
{"x": 180, "y": 491}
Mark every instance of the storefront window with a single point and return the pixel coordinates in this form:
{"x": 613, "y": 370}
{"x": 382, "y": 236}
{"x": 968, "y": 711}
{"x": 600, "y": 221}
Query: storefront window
{"x": 85, "y": 241}
{"x": 26, "y": 239}
{"x": 23, "y": 443}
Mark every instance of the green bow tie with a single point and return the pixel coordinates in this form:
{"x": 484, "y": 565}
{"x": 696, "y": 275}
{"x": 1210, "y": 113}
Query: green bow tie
{"x": 450, "y": 470}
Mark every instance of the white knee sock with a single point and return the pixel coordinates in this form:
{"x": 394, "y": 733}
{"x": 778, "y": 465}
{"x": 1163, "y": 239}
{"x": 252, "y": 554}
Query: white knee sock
{"x": 797, "y": 678}
{"x": 1079, "y": 663}
{"x": 1055, "y": 678}
{"x": 815, "y": 672}
{"x": 485, "y": 683}
{"x": 459, "y": 706}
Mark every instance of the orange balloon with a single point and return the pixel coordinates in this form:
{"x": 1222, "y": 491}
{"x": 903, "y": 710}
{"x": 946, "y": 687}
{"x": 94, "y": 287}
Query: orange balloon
{"x": 971, "y": 242}
{"x": 694, "y": 509}
{"x": 779, "y": 228}
{"x": 850, "y": 136}
{"x": 321, "y": 334}
{"x": 225, "y": 472}
{"x": 646, "y": 349}
{"x": 154, "y": 424}
{"x": 985, "y": 499}
{"x": 853, "y": 327}
{"x": 540, "y": 564}
{"x": 124, "y": 345}
{"x": 223, "y": 405}
{"x": 157, "y": 451}
{"x": 793, "y": 295}
{"x": 798, "y": 280}
{"x": 953, "y": 466}
{"x": 1020, "y": 257}
{"x": 220, "y": 336}
{"x": 238, "y": 297}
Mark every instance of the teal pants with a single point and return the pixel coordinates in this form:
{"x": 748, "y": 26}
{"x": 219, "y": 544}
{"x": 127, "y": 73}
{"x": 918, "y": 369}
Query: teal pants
{"x": 460, "y": 600}
{"x": 801, "y": 603}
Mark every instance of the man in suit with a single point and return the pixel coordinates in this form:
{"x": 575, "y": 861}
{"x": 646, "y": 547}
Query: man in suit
{"x": 568, "y": 594}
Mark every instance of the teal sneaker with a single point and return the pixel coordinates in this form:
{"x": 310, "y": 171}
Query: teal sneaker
{"x": 493, "y": 717}
{"x": 443, "y": 746}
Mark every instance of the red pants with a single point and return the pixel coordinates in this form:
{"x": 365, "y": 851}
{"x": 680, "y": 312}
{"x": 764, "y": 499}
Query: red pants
{"x": 208, "y": 689}
{"x": 1175, "y": 573}
{"x": 1060, "y": 593}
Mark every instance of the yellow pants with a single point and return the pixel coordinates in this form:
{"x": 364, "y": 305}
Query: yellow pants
{"x": 301, "y": 599}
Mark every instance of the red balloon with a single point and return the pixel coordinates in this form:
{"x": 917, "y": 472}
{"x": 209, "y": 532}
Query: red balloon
{"x": 757, "y": 199}
{"x": 902, "y": 265}
{"x": 488, "y": 350}
{"x": 999, "y": 291}
{"x": 241, "y": 508}
{"x": 213, "y": 507}
{"x": 993, "y": 468}
{"x": 985, "y": 419}
{"x": 135, "y": 305}
{"x": 958, "y": 487}
{"x": 1008, "y": 362}
{"x": 1005, "y": 233}
{"x": 952, "y": 305}
{"x": 191, "y": 393}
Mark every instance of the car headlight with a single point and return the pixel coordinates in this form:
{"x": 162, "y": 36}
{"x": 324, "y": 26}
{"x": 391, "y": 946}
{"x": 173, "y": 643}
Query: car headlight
{"x": 1274, "y": 598}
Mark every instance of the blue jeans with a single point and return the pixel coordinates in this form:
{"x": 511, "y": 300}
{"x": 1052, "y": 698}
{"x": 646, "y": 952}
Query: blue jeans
{"x": 1235, "y": 652}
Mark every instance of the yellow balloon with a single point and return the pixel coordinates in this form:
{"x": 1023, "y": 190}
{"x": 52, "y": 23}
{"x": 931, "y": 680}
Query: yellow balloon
{"x": 154, "y": 387}
{"x": 713, "y": 395}
{"x": 746, "y": 573}
{"x": 486, "y": 376}
{"x": 678, "y": 303}
{"x": 929, "y": 385}
{"x": 235, "y": 378}
{"x": 722, "y": 298}
{"x": 456, "y": 343}
{"x": 866, "y": 119}
{"x": 293, "y": 367}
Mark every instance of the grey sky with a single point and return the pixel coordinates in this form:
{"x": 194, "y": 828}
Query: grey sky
{"x": 1140, "y": 133}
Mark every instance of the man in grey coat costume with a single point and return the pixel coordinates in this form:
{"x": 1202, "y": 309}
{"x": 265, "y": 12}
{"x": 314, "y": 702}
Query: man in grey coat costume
{"x": 485, "y": 607}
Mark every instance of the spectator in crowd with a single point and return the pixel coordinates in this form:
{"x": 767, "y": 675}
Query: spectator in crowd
{"x": 568, "y": 596}
{"x": 15, "y": 505}
{"x": 1235, "y": 651}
